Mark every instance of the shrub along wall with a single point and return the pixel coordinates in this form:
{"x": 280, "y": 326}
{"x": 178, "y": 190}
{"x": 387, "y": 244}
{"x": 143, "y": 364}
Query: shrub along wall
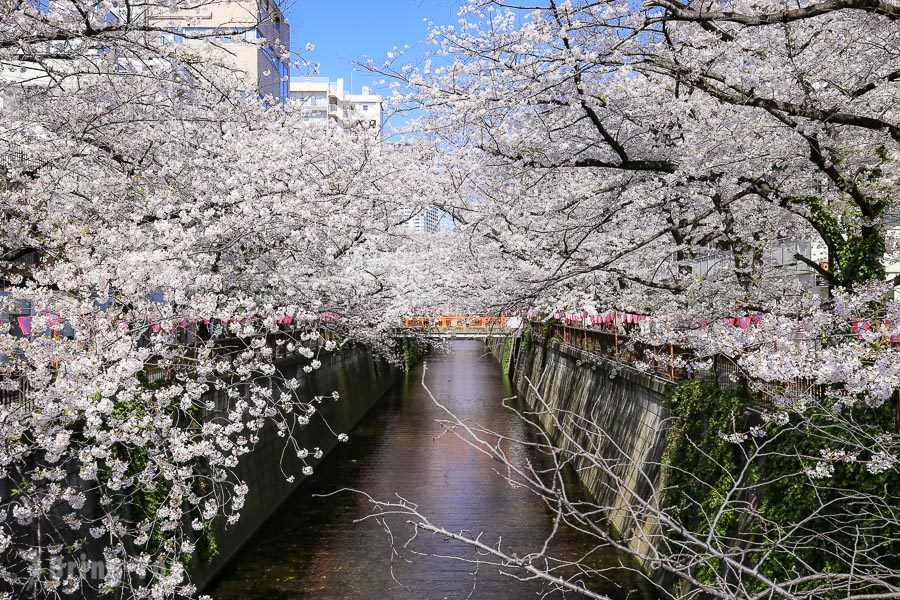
{"x": 702, "y": 467}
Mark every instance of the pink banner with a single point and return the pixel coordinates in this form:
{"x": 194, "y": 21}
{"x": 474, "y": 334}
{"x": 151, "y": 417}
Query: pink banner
{"x": 24, "y": 324}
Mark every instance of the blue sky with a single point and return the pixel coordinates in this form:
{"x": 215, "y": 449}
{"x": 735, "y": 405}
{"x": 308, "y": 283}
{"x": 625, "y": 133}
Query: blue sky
{"x": 347, "y": 30}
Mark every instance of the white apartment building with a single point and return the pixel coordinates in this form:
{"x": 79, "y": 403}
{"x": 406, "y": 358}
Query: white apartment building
{"x": 327, "y": 101}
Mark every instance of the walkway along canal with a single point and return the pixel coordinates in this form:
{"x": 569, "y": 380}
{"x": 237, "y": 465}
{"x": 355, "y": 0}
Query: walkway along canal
{"x": 311, "y": 548}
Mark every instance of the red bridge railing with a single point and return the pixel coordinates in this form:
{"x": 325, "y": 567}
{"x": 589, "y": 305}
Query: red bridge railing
{"x": 454, "y": 322}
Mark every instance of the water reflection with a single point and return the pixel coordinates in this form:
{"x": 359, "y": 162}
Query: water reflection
{"x": 312, "y": 549}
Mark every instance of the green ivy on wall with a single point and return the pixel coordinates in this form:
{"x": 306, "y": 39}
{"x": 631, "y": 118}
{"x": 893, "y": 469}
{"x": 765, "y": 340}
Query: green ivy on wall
{"x": 700, "y": 468}
{"x": 145, "y": 501}
{"x": 507, "y": 362}
{"x": 698, "y": 464}
{"x": 412, "y": 352}
{"x": 527, "y": 339}
{"x": 547, "y": 326}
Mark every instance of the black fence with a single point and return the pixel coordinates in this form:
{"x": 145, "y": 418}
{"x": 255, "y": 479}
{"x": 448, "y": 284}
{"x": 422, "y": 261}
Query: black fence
{"x": 14, "y": 394}
{"x": 14, "y": 161}
{"x": 284, "y": 345}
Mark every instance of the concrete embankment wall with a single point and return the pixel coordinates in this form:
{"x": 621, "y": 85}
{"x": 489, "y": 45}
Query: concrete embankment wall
{"x": 622, "y": 412}
{"x": 361, "y": 380}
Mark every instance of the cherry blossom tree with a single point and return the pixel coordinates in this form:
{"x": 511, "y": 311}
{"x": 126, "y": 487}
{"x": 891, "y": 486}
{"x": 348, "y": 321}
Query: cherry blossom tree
{"x": 167, "y": 239}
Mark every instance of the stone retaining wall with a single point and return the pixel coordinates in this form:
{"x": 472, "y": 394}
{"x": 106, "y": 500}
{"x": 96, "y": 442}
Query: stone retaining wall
{"x": 361, "y": 380}
{"x": 626, "y": 405}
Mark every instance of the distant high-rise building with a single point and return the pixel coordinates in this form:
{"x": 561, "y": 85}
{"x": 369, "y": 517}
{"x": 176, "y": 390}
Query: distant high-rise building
{"x": 327, "y": 101}
{"x": 427, "y": 220}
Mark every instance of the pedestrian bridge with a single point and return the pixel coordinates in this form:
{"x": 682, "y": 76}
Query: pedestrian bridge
{"x": 461, "y": 326}
{"x": 462, "y": 333}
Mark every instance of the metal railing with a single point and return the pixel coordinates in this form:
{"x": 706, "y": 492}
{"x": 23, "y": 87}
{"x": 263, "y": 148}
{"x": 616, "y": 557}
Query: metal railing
{"x": 620, "y": 348}
{"x": 14, "y": 160}
{"x": 674, "y": 363}
{"x": 14, "y": 393}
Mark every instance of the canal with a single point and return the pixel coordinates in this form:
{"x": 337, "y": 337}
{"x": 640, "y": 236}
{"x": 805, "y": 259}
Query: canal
{"x": 311, "y": 548}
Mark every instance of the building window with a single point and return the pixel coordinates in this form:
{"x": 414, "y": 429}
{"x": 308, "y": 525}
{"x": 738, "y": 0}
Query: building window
{"x": 171, "y": 37}
{"x": 365, "y": 107}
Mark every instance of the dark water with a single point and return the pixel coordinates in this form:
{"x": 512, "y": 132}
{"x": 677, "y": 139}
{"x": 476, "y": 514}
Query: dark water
{"x": 312, "y": 549}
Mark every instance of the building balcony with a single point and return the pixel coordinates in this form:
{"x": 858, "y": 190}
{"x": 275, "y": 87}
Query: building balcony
{"x": 318, "y": 80}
